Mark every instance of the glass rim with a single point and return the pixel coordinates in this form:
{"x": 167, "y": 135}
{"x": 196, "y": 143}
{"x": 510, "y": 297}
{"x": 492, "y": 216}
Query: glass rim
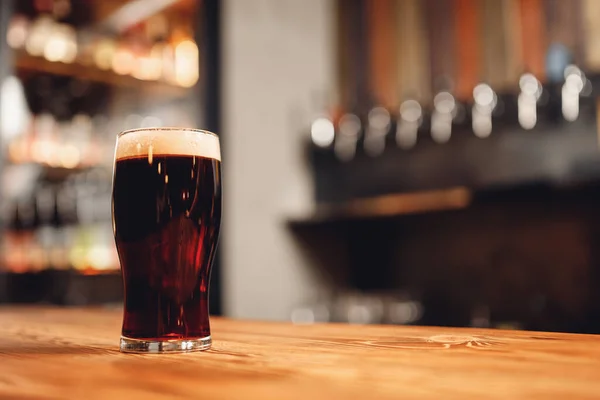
{"x": 168, "y": 129}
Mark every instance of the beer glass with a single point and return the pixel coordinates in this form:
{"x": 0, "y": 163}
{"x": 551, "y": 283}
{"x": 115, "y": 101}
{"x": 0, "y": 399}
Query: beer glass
{"x": 166, "y": 208}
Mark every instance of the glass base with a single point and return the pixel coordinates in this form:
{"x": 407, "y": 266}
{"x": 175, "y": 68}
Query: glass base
{"x": 164, "y": 346}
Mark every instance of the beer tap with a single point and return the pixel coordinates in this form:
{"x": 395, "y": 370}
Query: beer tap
{"x": 409, "y": 121}
{"x": 379, "y": 123}
{"x": 347, "y": 137}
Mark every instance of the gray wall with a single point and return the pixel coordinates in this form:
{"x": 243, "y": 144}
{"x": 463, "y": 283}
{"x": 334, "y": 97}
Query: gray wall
{"x": 277, "y": 55}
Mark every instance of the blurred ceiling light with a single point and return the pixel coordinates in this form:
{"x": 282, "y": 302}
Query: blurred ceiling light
{"x": 18, "y": 29}
{"x": 134, "y": 12}
{"x": 104, "y": 53}
{"x": 14, "y": 111}
{"x": 40, "y": 32}
{"x": 123, "y": 61}
{"x": 186, "y": 63}
{"x": 322, "y": 132}
{"x": 411, "y": 116}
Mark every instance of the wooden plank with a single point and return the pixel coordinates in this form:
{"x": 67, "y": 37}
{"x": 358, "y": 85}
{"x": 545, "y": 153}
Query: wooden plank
{"x": 49, "y": 353}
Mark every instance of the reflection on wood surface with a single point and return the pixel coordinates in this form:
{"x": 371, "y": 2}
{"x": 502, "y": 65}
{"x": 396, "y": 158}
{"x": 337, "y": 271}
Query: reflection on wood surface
{"x": 53, "y": 353}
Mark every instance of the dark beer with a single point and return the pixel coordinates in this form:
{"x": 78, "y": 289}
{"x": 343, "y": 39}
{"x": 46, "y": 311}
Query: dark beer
{"x": 166, "y": 215}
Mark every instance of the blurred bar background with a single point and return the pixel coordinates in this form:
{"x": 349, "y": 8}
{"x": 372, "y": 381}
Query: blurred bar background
{"x": 75, "y": 74}
{"x": 385, "y": 161}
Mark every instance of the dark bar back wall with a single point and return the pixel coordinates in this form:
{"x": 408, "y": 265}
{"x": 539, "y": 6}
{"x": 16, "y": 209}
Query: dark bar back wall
{"x": 528, "y": 261}
{"x": 483, "y": 224}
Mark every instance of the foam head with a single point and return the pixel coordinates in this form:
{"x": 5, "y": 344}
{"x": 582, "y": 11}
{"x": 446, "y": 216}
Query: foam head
{"x": 168, "y": 141}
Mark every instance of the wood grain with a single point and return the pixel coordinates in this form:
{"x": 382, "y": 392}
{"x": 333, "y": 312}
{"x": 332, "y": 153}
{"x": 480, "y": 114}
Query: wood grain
{"x": 48, "y": 353}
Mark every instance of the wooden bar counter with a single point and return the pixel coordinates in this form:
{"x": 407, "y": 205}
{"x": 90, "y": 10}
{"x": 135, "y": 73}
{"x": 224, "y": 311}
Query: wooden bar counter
{"x": 50, "y": 353}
